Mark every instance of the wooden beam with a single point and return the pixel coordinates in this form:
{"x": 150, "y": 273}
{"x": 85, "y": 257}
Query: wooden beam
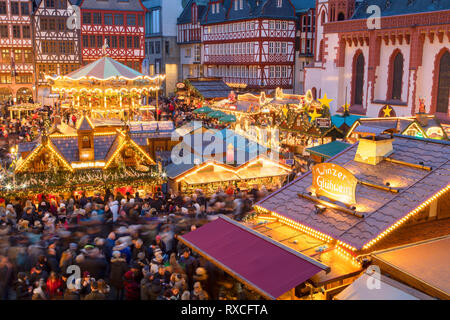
{"x": 330, "y": 205}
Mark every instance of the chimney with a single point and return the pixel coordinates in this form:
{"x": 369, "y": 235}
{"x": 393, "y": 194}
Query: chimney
{"x": 373, "y": 150}
{"x": 422, "y": 118}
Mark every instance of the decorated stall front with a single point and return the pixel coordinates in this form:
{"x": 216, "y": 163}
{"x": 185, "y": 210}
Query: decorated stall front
{"x": 91, "y": 158}
{"x": 226, "y": 160}
{"x": 421, "y": 126}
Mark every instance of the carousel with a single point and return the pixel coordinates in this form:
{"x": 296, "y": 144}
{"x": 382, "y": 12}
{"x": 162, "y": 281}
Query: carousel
{"x": 105, "y": 89}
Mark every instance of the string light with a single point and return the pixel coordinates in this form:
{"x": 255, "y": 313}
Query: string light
{"x": 143, "y": 77}
{"x": 405, "y": 218}
{"x": 305, "y": 229}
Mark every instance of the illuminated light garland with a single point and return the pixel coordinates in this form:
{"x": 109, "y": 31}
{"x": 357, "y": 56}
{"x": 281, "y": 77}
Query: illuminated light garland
{"x": 348, "y": 255}
{"x": 114, "y": 155}
{"x": 142, "y": 152}
{"x": 29, "y": 158}
{"x": 203, "y": 166}
{"x": 58, "y": 135}
{"x": 143, "y": 77}
{"x": 84, "y": 165}
{"x": 310, "y": 231}
{"x": 104, "y": 134}
{"x": 405, "y": 218}
{"x": 264, "y": 160}
{"x": 88, "y": 120}
{"x": 64, "y": 161}
{"x": 346, "y": 245}
{"x": 137, "y": 90}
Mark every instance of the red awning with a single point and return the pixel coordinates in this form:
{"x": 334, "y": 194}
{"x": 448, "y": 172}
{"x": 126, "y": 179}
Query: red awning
{"x": 266, "y": 265}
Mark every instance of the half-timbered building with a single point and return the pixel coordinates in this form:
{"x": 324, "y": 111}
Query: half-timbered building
{"x": 304, "y": 45}
{"x": 16, "y": 51}
{"x": 250, "y": 43}
{"x": 189, "y": 37}
{"x": 119, "y": 24}
{"x": 56, "y": 40}
{"x": 397, "y": 65}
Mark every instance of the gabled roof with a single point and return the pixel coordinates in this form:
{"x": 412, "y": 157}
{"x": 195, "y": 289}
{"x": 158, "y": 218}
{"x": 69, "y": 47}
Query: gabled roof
{"x": 68, "y": 147}
{"x": 186, "y": 14}
{"x": 303, "y": 5}
{"x": 112, "y": 5}
{"x": 252, "y": 9}
{"x": 382, "y": 209}
{"x": 85, "y": 124}
{"x": 211, "y": 88}
{"x": 400, "y": 7}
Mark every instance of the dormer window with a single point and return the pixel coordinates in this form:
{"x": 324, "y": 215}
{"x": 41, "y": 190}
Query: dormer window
{"x": 194, "y": 13}
{"x": 86, "y": 142}
{"x": 238, "y": 5}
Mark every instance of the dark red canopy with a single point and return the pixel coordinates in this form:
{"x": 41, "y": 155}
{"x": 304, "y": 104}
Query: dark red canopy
{"x": 266, "y": 265}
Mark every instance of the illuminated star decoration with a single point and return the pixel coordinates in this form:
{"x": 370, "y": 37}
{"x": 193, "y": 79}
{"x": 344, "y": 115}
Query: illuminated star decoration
{"x": 325, "y": 101}
{"x": 387, "y": 111}
{"x": 314, "y": 115}
{"x": 346, "y": 107}
{"x": 285, "y": 111}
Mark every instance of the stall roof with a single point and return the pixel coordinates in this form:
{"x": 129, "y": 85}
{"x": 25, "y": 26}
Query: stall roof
{"x": 422, "y": 264}
{"x": 251, "y": 257}
{"x": 211, "y": 88}
{"x": 329, "y": 150}
{"x": 338, "y": 120}
{"x": 389, "y": 290}
{"x": 381, "y": 209}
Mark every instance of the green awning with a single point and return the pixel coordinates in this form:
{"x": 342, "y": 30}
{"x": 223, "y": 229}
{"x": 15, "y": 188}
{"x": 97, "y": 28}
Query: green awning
{"x": 228, "y": 118}
{"x": 216, "y": 114}
{"x": 329, "y": 150}
{"x": 203, "y": 110}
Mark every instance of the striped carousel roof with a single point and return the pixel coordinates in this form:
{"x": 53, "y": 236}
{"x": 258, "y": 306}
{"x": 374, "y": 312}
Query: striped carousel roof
{"x": 104, "y": 68}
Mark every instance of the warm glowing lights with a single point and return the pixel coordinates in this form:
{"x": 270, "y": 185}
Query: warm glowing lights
{"x": 232, "y": 169}
{"x": 84, "y": 165}
{"x": 310, "y": 231}
{"x": 159, "y": 77}
{"x": 405, "y": 218}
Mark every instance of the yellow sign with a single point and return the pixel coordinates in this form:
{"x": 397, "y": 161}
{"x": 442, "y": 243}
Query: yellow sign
{"x": 334, "y": 182}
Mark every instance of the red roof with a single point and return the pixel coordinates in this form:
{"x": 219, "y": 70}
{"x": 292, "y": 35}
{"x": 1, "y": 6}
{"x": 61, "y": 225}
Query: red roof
{"x": 268, "y": 266}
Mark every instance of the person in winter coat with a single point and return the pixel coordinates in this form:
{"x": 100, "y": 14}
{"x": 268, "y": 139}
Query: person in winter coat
{"x": 118, "y": 268}
{"x": 131, "y": 286}
{"x": 95, "y": 294}
{"x": 54, "y": 286}
{"x": 198, "y": 293}
{"x": 95, "y": 263}
{"x": 190, "y": 264}
{"x": 24, "y": 289}
{"x": 52, "y": 260}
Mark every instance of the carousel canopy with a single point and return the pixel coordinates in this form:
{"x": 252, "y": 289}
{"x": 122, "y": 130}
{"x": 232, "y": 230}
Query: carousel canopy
{"x": 103, "y": 69}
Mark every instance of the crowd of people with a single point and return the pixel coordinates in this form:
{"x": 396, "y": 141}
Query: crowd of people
{"x": 114, "y": 247}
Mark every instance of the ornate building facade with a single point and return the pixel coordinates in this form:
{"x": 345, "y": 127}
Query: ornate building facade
{"x": 250, "y": 43}
{"x": 16, "y": 46}
{"x": 401, "y": 60}
{"x": 189, "y": 37}
{"x": 56, "y": 41}
{"x": 118, "y": 23}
